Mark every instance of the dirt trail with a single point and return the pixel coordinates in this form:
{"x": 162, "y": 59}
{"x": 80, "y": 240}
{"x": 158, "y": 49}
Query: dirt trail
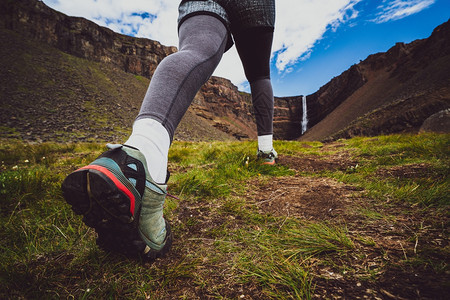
{"x": 388, "y": 237}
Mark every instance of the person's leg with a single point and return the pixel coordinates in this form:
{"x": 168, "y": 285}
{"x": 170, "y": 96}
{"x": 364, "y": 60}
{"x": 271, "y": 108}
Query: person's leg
{"x": 121, "y": 194}
{"x": 173, "y": 87}
{"x": 254, "y": 48}
{"x": 262, "y": 99}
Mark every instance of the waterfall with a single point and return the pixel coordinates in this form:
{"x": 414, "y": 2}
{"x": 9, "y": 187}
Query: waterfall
{"x": 305, "y": 116}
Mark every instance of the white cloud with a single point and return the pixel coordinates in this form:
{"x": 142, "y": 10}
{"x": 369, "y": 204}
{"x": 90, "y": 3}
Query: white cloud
{"x": 299, "y": 25}
{"x": 231, "y": 68}
{"x": 399, "y": 9}
{"x": 125, "y": 16}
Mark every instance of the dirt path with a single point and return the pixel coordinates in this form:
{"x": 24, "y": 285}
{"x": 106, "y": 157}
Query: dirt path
{"x": 394, "y": 253}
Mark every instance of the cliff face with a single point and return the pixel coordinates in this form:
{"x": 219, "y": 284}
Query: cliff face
{"x": 327, "y": 98}
{"x": 287, "y": 119}
{"x": 224, "y": 107}
{"x": 390, "y": 92}
{"x": 81, "y": 37}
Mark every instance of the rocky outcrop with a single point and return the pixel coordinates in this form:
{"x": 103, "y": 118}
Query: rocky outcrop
{"x": 81, "y": 37}
{"x": 439, "y": 122}
{"x": 287, "y": 118}
{"x": 328, "y": 97}
{"x": 224, "y": 107}
{"x": 402, "y": 116}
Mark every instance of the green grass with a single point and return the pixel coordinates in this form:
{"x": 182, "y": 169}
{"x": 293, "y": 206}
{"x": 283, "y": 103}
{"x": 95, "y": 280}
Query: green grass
{"x": 216, "y": 170}
{"x": 225, "y": 245}
{"x": 430, "y": 188}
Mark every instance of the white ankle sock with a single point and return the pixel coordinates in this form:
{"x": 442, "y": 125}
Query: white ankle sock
{"x": 265, "y": 142}
{"x": 153, "y": 140}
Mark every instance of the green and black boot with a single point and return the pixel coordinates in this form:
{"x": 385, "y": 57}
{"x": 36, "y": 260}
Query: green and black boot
{"x": 118, "y": 198}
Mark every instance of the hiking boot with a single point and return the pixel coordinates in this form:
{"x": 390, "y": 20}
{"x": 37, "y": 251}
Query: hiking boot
{"x": 118, "y": 198}
{"x": 268, "y": 157}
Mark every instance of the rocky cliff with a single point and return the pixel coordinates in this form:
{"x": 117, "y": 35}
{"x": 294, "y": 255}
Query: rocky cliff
{"x": 287, "y": 119}
{"x": 221, "y": 104}
{"x": 390, "y": 92}
{"x": 80, "y": 37}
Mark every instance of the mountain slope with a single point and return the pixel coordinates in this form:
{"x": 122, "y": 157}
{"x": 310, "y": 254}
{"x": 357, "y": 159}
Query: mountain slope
{"x": 47, "y": 94}
{"x": 395, "y": 92}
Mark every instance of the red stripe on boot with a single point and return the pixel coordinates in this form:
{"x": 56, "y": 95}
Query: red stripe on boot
{"x": 116, "y": 181}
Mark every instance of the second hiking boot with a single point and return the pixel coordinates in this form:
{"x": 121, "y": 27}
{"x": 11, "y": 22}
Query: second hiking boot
{"x": 267, "y": 157}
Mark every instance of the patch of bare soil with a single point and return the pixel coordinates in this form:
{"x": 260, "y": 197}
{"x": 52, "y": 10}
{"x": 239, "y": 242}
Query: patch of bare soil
{"x": 341, "y": 160}
{"x": 304, "y": 197}
{"x": 400, "y": 251}
{"x": 407, "y": 171}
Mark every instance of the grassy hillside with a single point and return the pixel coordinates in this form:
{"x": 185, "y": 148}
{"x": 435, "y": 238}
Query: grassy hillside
{"x": 49, "y": 95}
{"x": 365, "y": 217}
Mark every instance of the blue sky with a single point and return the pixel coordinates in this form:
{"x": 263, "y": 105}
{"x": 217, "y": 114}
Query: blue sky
{"x": 354, "y": 41}
{"x": 314, "y": 40}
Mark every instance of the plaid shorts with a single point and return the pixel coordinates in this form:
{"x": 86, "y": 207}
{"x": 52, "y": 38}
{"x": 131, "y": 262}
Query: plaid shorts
{"x": 237, "y": 15}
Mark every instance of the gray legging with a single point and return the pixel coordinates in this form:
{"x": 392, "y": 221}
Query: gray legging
{"x": 202, "y": 42}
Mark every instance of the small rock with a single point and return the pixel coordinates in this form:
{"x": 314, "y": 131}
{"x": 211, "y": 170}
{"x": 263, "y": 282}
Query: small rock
{"x": 438, "y": 122}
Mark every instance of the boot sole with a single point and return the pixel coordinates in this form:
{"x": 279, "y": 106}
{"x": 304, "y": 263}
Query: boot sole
{"x": 105, "y": 206}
